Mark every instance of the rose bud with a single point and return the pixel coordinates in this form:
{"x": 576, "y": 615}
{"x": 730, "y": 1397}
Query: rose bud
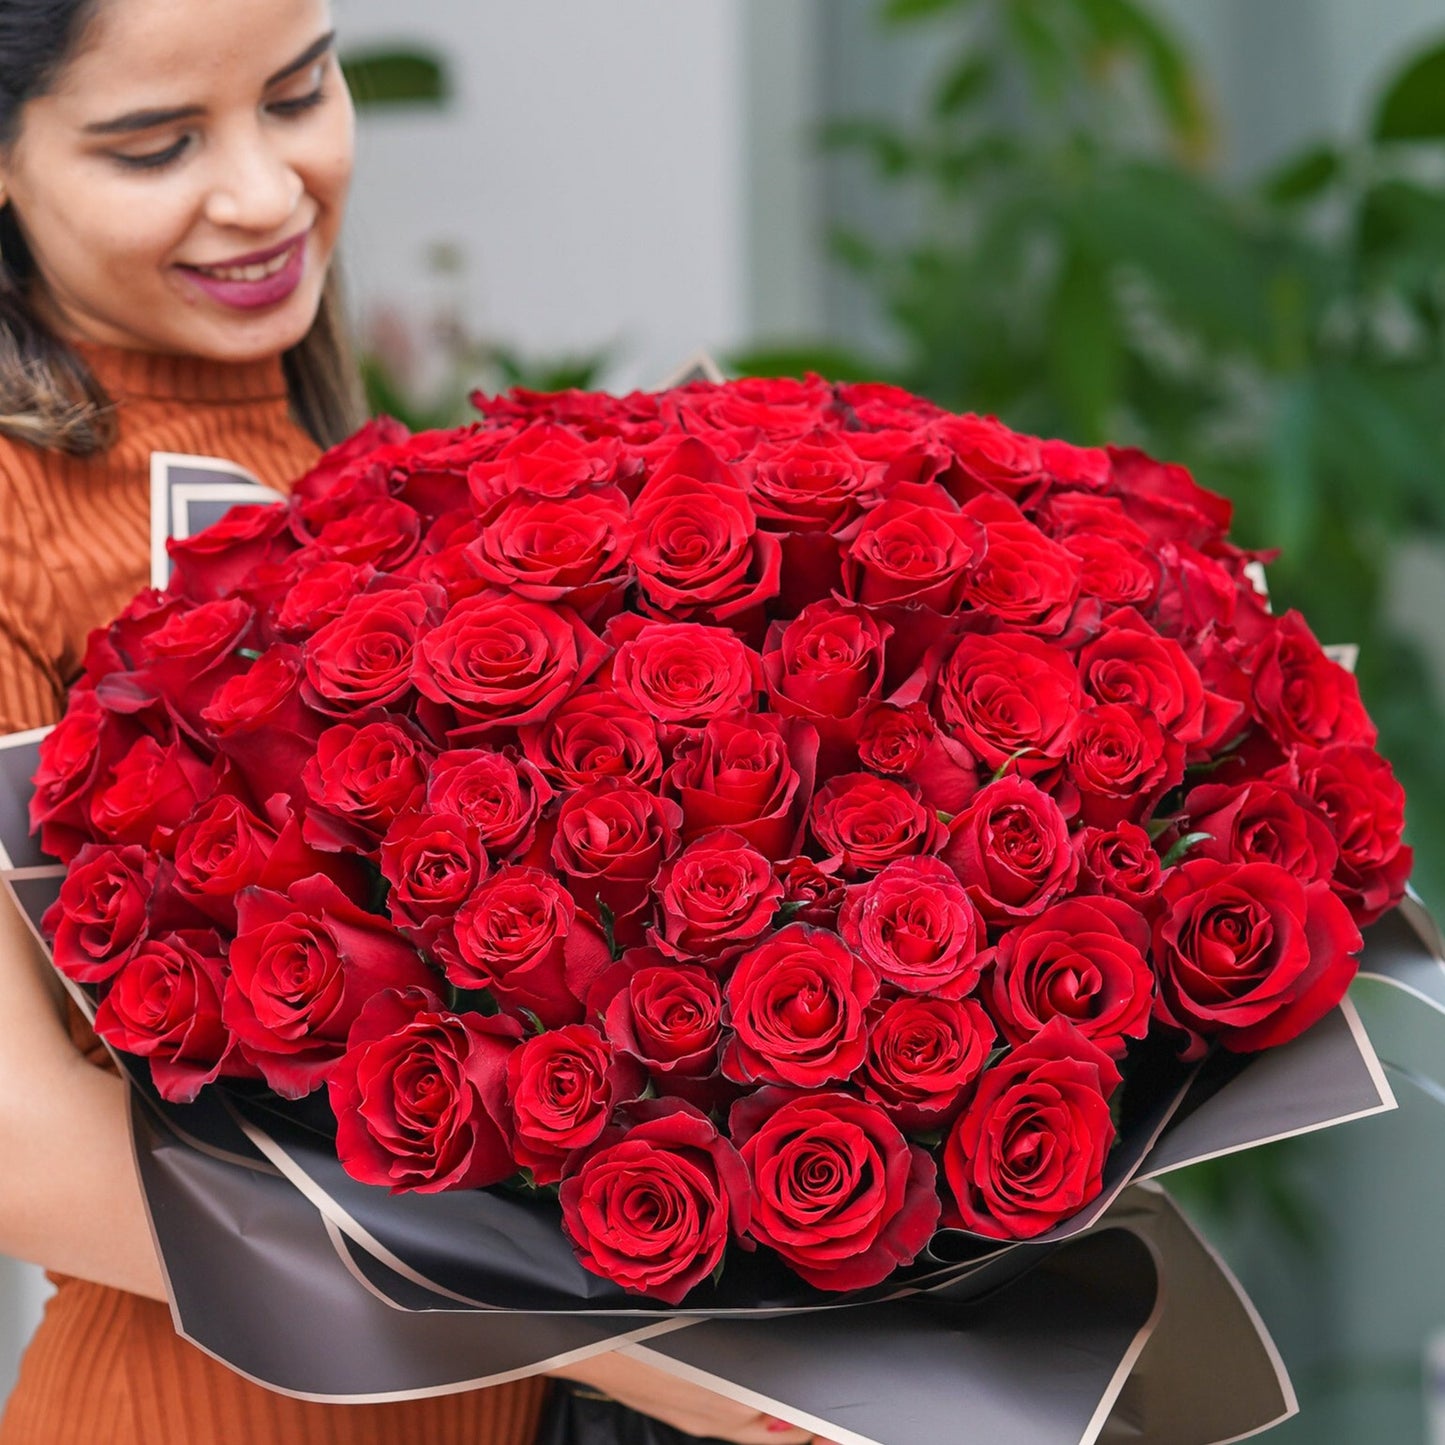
{"x": 1022, "y": 577}
{"x": 922, "y": 1054}
{"x": 165, "y": 1005}
{"x": 520, "y": 936}
{"x": 1010, "y": 699}
{"x": 420, "y": 1096}
{"x": 797, "y": 1007}
{"x": 715, "y": 896}
{"x": 868, "y": 822}
{"x": 594, "y": 734}
{"x": 916, "y": 926}
{"x": 837, "y": 1190}
{"x": 1248, "y": 954}
{"x": 1010, "y": 849}
{"x": 654, "y": 1211}
{"x": 1086, "y": 960}
{"x": 812, "y": 892}
{"x": 1029, "y": 1149}
{"x": 499, "y": 799}
{"x": 1120, "y": 861}
{"x": 99, "y": 919}
{"x": 563, "y": 1086}
{"x": 302, "y": 968}
{"x": 753, "y": 775}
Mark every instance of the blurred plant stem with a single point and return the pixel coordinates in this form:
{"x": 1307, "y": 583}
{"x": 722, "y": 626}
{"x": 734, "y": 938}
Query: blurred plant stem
{"x": 1081, "y": 271}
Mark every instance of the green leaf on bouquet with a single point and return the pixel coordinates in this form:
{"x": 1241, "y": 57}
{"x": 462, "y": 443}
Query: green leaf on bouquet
{"x": 1188, "y": 841}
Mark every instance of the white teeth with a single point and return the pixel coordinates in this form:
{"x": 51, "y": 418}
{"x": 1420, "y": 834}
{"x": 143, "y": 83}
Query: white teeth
{"x": 257, "y": 272}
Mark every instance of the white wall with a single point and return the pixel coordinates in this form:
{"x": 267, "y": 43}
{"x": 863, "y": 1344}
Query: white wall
{"x": 590, "y": 170}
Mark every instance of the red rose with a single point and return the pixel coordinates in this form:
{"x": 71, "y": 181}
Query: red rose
{"x": 1010, "y": 699}
{"x": 152, "y": 790}
{"x": 223, "y": 848}
{"x": 382, "y": 534}
{"x": 367, "y": 656}
{"x": 1084, "y": 960}
{"x": 195, "y": 650}
{"x": 812, "y": 892}
{"x": 317, "y": 593}
{"x": 594, "y": 734}
{"x": 669, "y": 1018}
{"x": 837, "y": 1190}
{"x": 923, "y": 1053}
{"x": 1010, "y": 849}
{"x": 698, "y": 552}
{"x": 1115, "y": 555}
{"x": 1029, "y": 1149}
{"x": 825, "y": 664}
{"x": 812, "y": 483}
{"x": 498, "y": 660}
{"x": 1122, "y": 763}
{"x": 302, "y": 968}
{"x": 221, "y": 559}
{"x": 574, "y": 550}
{"x": 500, "y": 799}
{"x": 519, "y": 935}
{"x": 797, "y": 1005}
{"x": 1358, "y": 792}
{"x": 564, "y": 1085}
{"x": 1022, "y": 577}
{"x": 988, "y": 457}
{"x": 1260, "y": 822}
{"x": 1248, "y": 954}
{"x": 359, "y": 780}
{"x": 654, "y": 1211}
{"x": 1303, "y": 698}
{"x": 545, "y": 460}
{"x": 917, "y": 927}
{"x": 433, "y": 861}
{"x": 165, "y": 1005}
{"x": 914, "y": 546}
{"x": 1120, "y": 861}
{"x": 718, "y": 894}
{"x": 99, "y": 919}
{"x": 420, "y": 1096}
{"x": 72, "y": 757}
{"x": 751, "y": 774}
{"x": 611, "y": 841}
{"x": 904, "y": 742}
{"x": 868, "y": 822}
{"x": 1131, "y": 663}
{"x": 1166, "y": 501}
{"x": 683, "y": 673}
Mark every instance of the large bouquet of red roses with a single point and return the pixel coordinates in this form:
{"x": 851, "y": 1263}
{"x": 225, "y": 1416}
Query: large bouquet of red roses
{"x": 768, "y": 811}
{"x": 787, "y": 820}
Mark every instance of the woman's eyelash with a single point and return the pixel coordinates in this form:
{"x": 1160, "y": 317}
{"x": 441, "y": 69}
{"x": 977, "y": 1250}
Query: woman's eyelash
{"x": 156, "y": 159}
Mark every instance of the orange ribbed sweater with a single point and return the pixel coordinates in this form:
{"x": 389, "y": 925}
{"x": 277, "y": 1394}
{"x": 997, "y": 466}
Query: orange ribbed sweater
{"x": 74, "y": 548}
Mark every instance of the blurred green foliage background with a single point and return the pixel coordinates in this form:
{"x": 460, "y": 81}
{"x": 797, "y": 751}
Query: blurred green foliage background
{"x": 1080, "y": 268}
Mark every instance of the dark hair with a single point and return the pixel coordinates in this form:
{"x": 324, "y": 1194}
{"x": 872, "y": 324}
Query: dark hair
{"x": 48, "y": 396}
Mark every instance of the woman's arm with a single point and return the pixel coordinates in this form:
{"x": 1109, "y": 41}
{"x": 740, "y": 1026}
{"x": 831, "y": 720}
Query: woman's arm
{"x": 69, "y": 1196}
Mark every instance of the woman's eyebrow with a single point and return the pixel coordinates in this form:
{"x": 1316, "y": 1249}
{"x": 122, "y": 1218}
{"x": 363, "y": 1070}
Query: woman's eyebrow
{"x": 144, "y": 119}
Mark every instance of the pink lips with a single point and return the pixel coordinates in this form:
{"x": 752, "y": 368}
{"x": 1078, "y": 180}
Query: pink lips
{"x": 252, "y": 295}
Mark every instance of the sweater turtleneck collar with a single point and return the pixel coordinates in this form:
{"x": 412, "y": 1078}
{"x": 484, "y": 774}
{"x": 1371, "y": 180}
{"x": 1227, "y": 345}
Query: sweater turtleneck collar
{"x": 172, "y": 377}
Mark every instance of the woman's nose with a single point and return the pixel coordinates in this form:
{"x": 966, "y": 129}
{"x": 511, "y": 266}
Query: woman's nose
{"x": 255, "y": 187}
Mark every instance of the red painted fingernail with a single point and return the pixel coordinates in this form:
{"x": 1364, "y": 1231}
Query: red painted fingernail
{"x": 777, "y": 1426}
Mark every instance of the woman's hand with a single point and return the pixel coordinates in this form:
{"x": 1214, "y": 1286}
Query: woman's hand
{"x": 685, "y": 1407}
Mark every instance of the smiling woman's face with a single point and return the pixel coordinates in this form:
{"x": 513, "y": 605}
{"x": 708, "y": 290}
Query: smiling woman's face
{"x": 181, "y": 185}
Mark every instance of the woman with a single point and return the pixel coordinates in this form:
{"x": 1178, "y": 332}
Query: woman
{"x": 173, "y": 175}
